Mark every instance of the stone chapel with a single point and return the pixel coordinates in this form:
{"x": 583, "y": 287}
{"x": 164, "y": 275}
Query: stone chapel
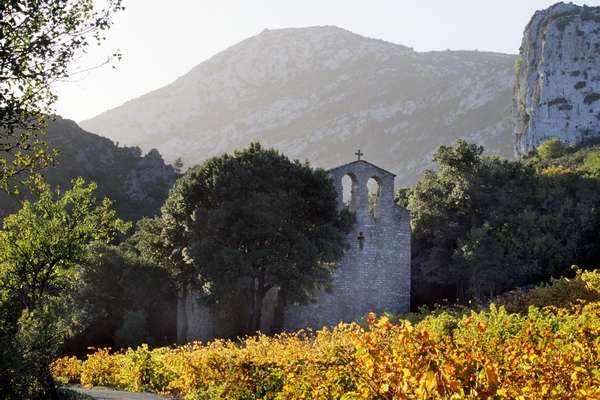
{"x": 373, "y": 275}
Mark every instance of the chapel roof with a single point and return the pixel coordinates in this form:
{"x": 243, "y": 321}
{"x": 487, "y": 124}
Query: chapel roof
{"x": 344, "y": 166}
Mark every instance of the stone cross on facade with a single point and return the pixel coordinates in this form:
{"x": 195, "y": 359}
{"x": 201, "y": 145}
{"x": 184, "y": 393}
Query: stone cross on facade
{"x": 361, "y": 240}
{"x": 359, "y": 154}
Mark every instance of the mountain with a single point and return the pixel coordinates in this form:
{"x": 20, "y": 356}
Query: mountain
{"x": 557, "y": 93}
{"x": 319, "y": 93}
{"x": 138, "y": 184}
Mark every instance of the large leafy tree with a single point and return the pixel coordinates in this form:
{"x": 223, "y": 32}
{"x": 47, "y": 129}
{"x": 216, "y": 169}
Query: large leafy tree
{"x": 249, "y": 222}
{"x": 41, "y": 247}
{"x": 38, "y": 41}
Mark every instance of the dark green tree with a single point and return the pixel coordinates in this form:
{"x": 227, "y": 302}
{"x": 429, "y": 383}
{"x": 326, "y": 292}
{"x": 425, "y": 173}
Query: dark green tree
{"x": 40, "y": 248}
{"x": 483, "y": 225}
{"x": 38, "y": 41}
{"x": 441, "y": 208}
{"x": 246, "y": 223}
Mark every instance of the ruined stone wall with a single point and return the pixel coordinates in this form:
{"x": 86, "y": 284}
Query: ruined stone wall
{"x": 194, "y": 319}
{"x": 197, "y": 321}
{"x": 374, "y": 276}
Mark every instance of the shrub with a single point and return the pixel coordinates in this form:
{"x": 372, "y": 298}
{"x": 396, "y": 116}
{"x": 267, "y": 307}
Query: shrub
{"x": 562, "y": 293}
{"x": 552, "y": 148}
{"x": 556, "y": 171}
{"x": 144, "y": 370}
{"x": 135, "y": 369}
{"x": 100, "y": 369}
{"x": 591, "y": 164}
{"x": 66, "y": 370}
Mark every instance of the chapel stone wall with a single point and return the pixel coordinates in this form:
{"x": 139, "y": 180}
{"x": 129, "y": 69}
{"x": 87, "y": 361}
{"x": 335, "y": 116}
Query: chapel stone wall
{"x": 374, "y": 273}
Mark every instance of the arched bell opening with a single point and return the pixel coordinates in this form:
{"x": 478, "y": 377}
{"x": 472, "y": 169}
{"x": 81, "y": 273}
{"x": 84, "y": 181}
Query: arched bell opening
{"x": 349, "y": 192}
{"x": 374, "y": 189}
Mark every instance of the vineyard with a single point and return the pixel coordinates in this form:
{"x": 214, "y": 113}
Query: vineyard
{"x": 540, "y": 344}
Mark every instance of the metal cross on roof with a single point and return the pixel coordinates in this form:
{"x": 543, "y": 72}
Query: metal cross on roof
{"x": 359, "y": 154}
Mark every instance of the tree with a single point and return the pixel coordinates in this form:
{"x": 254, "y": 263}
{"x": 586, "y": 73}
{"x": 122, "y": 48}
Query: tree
{"x": 38, "y": 41}
{"x": 250, "y": 222}
{"x": 159, "y": 240}
{"x": 40, "y": 248}
{"x": 116, "y": 286}
{"x": 163, "y": 241}
{"x": 483, "y": 225}
{"x": 441, "y": 209}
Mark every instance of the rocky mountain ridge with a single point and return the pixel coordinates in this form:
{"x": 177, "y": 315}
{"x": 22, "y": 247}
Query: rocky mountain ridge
{"x": 137, "y": 183}
{"x": 557, "y": 92}
{"x": 320, "y": 93}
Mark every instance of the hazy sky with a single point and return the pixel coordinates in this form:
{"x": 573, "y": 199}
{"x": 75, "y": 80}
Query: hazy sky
{"x": 162, "y": 40}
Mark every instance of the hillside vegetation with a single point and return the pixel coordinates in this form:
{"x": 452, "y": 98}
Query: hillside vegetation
{"x": 545, "y": 351}
{"x": 138, "y": 184}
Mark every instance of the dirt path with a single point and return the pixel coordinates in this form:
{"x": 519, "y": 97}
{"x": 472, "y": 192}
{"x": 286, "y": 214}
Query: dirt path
{"x": 103, "y": 393}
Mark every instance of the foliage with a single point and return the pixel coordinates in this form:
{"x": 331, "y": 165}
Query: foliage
{"x": 591, "y": 164}
{"x": 552, "y": 148}
{"x": 67, "y": 370}
{"x": 40, "y": 244}
{"x": 125, "y": 300}
{"x": 99, "y": 369}
{"x": 483, "y": 225}
{"x": 154, "y": 243}
{"x": 136, "y": 370}
{"x": 139, "y": 369}
{"x": 562, "y": 292}
{"x": 246, "y": 223}
{"x": 38, "y": 41}
{"x": 40, "y": 248}
{"x": 518, "y": 65}
{"x": 178, "y": 165}
{"x": 133, "y": 330}
{"x": 542, "y": 353}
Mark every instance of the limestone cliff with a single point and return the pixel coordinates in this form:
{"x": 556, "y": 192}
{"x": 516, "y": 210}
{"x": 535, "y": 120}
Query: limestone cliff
{"x": 557, "y": 91}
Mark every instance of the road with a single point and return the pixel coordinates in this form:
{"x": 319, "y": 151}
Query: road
{"x": 102, "y": 393}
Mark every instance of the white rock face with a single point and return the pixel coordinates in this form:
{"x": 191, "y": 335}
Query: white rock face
{"x": 320, "y": 93}
{"x": 557, "y": 93}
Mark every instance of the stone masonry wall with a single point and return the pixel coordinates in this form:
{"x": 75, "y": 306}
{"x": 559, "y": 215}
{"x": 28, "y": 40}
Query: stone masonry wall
{"x": 374, "y": 276}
